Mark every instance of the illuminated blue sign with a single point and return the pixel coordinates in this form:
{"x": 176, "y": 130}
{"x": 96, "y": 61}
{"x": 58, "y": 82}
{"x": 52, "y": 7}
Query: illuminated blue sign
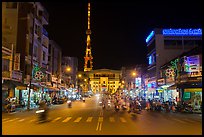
{"x": 150, "y": 59}
{"x": 182, "y": 32}
{"x": 150, "y": 36}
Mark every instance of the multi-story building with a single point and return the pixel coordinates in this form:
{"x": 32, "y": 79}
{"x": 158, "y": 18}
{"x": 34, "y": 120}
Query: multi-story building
{"x": 185, "y": 73}
{"x": 104, "y": 80}
{"x": 24, "y": 23}
{"x": 54, "y": 67}
{"x": 164, "y": 45}
{"x": 132, "y": 79}
{"x": 69, "y": 71}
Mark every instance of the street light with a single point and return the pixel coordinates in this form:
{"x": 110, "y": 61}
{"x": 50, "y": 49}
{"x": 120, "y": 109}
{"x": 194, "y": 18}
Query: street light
{"x": 79, "y": 75}
{"x": 134, "y": 74}
{"x": 68, "y": 69}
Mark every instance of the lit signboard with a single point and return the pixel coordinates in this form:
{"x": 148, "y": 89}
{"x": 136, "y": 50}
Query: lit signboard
{"x": 182, "y": 32}
{"x": 150, "y": 36}
{"x": 193, "y": 63}
{"x": 150, "y": 59}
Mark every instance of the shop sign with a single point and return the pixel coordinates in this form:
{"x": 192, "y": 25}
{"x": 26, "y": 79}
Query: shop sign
{"x": 16, "y": 75}
{"x": 54, "y": 79}
{"x": 160, "y": 90}
{"x": 186, "y": 95}
{"x": 160, "y": 82}
{"x": 21, "y": 88}
{"x": 193, "y": 90}
{"x": 17, "y": 61}
{"x": 48, "y": 83}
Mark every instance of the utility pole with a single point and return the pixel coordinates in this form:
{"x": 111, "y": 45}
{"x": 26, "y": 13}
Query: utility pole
{"x": 31, "y": 68}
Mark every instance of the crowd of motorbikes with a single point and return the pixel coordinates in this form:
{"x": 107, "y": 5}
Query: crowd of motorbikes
{"x": 137, "y": 105}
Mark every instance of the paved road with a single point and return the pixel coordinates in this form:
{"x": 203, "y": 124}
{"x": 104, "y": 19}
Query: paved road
{"x": 89, "y": 118}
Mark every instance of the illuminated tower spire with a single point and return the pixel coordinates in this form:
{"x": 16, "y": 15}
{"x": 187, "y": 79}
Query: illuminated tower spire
{"x": 88, "y": 57}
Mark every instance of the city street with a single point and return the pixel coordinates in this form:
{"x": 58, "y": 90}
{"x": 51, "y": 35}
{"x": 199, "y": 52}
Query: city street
{"x": 90, "y": 119}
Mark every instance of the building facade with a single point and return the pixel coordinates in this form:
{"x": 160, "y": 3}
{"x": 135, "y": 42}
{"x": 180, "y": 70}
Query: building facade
{"x": 54, "y": 68}
{"x": 24, "y": 28}
{"x": 132, "y": 79}
{"x": 69, "y": 71}
{"x": 164, "y": 45}
{"x": 104, "y": 80}
{"x": 185, "y": 75}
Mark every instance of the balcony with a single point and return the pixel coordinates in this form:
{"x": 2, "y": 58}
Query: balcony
{"x": 45, "y": 32}
{"x": 44, "y": 17}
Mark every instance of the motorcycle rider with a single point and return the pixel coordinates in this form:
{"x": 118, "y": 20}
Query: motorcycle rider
{"x": 69, "y": 103}
{"x": 43, "y": 107}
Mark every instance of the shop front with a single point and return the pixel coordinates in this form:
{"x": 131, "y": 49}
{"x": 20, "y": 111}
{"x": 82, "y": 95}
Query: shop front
{"x": 193, "y": 96}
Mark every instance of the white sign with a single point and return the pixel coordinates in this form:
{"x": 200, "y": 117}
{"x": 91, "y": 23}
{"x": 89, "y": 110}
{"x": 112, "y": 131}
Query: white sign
{"x": 16, "y": 75}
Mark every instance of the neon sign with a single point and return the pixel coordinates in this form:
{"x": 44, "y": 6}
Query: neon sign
{"x": 37, "y": 73}
{"x": 182, "y": 32}
{"x": 150, "y": 59}
{"x": 150, "y": 36}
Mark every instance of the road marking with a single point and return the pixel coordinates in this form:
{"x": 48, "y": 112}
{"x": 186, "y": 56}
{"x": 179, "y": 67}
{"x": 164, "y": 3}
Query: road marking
{"x": 21, "y": 120}
{"x": 179, "y": 120}
{"x": 89, "y": 119}
{"x": 97, "y": 126}
{"x": 122, "y": 119}
{"x": 78, "y": 119}
{"x": 100, "y": 126}
{"x": 188, "y": 120}
{"x": 32, "y": 120}
{"x": 67, "y": 119}
{"x": 100, "y": 119}
{"x": 56, "y": 119}
{"x": 112, "y": 119}
{"x": 5, "y": 119}
{"x": 12, "y": 120}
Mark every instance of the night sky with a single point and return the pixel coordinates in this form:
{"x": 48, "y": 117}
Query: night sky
{"x": 119, "y": 29}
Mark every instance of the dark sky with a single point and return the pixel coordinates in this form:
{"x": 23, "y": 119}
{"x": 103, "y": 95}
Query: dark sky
{"x": 119, "y": 29}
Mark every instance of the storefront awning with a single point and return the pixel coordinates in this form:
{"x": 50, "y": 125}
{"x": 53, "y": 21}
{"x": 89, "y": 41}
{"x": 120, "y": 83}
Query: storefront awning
{"x": 13, "y": 84}
{"x": 186, "y": 85}
{"x": 52, "y": 88}
{"x": 193, "y": 90}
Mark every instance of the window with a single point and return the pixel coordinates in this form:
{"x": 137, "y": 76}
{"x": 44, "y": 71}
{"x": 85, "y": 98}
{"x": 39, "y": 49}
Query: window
{"x": 44, "y": 55}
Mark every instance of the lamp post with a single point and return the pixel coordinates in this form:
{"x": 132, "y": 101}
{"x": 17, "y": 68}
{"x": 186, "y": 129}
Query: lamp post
{"x": 133, "y": 76}
{"x": 68, "y": 70}
{"x": 78, "y": 82}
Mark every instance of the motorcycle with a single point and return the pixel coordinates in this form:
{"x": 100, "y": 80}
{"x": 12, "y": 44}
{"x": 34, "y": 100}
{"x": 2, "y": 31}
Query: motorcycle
{"x": 117, "y": 108}
{"x": 109, "y": 103}
{"x": 103, "y": 106}
{"x": 83, "y": 99}
{"x": 42, "y": 115}
{"x": 69, "y": 103}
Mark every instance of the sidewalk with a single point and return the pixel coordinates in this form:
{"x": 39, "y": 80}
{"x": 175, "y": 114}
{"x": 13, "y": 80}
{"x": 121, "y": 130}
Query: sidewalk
{"x": 19, "y": 110}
